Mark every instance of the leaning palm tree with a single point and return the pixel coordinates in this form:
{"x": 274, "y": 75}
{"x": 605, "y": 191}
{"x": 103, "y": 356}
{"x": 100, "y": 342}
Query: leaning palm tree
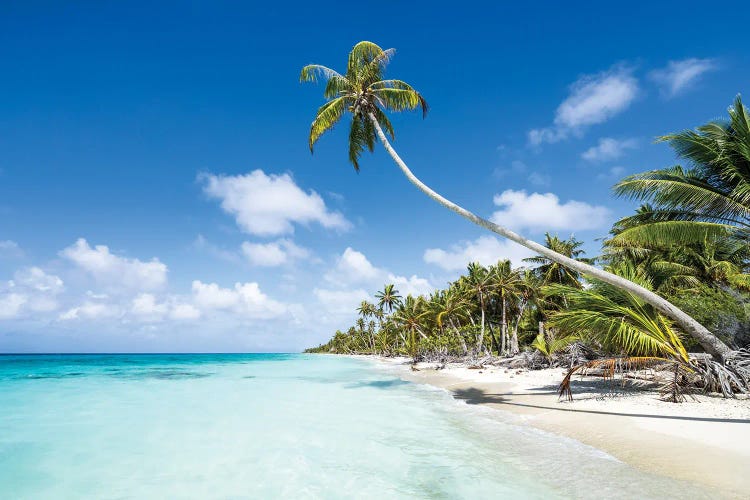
{"x": 364, "y": 92}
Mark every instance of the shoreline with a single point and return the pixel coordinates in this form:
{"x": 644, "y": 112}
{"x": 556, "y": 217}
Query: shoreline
{"x": 706, "y": 441}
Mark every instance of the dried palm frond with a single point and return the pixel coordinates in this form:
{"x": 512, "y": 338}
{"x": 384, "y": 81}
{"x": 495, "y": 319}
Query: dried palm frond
{"x": 679, "y": 385}
{"x": 607, "y": 369}
{"x": 728, "y": 379}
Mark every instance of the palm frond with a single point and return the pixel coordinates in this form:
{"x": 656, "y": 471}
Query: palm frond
{"x": 315, "y": 72}
{"x": 362, "y": 54}
{"x": 400, "y": 99}
{"x": 670, "y": 233}
{"x": 328, "y": 115}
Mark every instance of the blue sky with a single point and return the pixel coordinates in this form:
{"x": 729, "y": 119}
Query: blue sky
{"x": 157, "y": 192}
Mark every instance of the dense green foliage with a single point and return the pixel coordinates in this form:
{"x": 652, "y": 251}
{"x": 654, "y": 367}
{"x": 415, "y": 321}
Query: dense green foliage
{"x": 688, "y": 243}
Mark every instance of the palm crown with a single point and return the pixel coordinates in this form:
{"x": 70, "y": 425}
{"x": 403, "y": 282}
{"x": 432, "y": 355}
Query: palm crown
{"x": 711, "y": 198}
{"x": 361, "y": 91}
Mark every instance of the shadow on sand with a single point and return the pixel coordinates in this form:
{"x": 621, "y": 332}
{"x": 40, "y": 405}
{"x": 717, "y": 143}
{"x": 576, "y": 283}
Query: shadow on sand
{"x": 474, "y": 396}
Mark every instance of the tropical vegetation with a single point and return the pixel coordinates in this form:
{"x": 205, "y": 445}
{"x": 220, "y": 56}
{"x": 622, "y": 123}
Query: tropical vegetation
{"x": 672, "y": 278}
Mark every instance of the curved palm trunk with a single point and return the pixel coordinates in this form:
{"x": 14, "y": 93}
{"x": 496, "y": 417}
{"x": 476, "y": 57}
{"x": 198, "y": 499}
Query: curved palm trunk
{"x": 710, "y": 342}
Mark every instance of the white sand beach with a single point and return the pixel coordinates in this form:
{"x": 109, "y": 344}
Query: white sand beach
{"x": 706, "y": 440}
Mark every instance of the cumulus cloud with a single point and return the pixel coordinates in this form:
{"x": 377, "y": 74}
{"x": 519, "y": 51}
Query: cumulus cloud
{"x": 341, "y": 301}
{"x": 91, "y": 310}
{"x": 486, "y": 250}
{"x": 30, "y": 291}
{"x": 275, "y": 253}
{"x": 36, "y": 279}
{"x": 10, "y": 249}
{"x": 413, "y": 285}
{"x": 593, "y": 99}
{"x": 184, "y": 312}
{"x": 608, "y": 149}
{"x": 270, "y": 205}
{"x": 679, "y": 76}
{"x": 537, "y": 211}
{"x": 113, "y": 270}
{"x": 11, "y": 304}
{"x": 245, "y": 299}
{"x": 352, "y": 267}
{"x": 146, "y": 306}
{"x": 353, "y": 275}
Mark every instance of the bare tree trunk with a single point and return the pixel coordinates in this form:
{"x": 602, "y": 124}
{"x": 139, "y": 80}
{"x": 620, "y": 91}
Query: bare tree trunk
{"x": 710, "y": 342}
{"x": 514, "y": 339}
{"x": 480, "y": 342}
{"x": 460, "y": 337}
{"x": 504, "y": 329}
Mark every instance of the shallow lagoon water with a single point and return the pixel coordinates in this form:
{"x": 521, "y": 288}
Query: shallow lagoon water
{"x": 276, "y": 426}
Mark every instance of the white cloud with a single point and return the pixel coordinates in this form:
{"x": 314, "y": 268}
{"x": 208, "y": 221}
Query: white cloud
{"x": 31, "y": 291}
{"x": 245, "y": 299}
{"x": 184, "y": 312}
{"x": 679, "y": 76}
{"x": 353, "y": 275}
{"x": 270, "y": 205}
{"x": 341, "y": 301}
{"x": 275, "y": 253}
{"x": 593, "y": 99}
{"x": 412, "y": 285}
{"x": 537, "y": 211}
{"x": 486, "y": 250}
{"x": 353, "y": 267}
{"x": 613, "y": 173}
{"x": 147, "y": 308}
{"x": 91, "y": 310}
{"x": 608, "y": 149}
{"x": 36, "y": 279}
{"x": 11, "y": 249}
{"x": 11, "y": 304}
{"x": 538, "y": 179}
{"x": 202, "y": 244}
{"x": 113, "y": 270}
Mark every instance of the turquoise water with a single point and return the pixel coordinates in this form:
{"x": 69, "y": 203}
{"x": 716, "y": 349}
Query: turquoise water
{"x": 275, "y": 426}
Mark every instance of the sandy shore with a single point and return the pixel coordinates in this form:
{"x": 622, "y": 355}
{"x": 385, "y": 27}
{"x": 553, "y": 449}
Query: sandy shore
{"x": 706, "y": 441}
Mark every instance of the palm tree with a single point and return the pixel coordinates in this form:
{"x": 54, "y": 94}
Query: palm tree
{"x": 478, "y": 284}
{"x": 409, "y": 315}
{"x": 507, "y": 284}
{"x": 710, "y": 198}
{"x": 551, "y": 271}
{"x": 448, "y": 308}
{"x": 388, "y": 298}
{"x": 528, "y": 290}
{"x": 618, "y": 320}
{"x": 363, "y": 92}
{"x": 366, "y": 310}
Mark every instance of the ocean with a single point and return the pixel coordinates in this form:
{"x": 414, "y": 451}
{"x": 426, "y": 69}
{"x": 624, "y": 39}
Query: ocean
{"x": 276, "y": 426}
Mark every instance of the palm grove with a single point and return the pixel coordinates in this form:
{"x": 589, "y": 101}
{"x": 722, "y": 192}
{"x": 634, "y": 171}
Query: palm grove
{"x": 671, "y": 278}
